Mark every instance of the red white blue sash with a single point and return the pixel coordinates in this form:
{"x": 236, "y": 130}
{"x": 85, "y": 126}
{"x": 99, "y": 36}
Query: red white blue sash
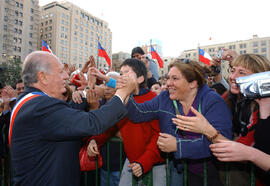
{"x": 16, "y": 109}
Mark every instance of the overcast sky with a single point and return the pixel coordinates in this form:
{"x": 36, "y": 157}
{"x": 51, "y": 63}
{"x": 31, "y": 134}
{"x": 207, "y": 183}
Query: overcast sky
{"x": 179, "y": 24}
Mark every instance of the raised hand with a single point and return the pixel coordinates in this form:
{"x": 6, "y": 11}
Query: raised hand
{"x": 6, "y": 99}
{"x": 77, "y": 97}
{"x": 95, "y": 72}
{"x": 82, "y": 81}
{"x": 10, "y": 91}
{"x": 87, "y": 64}
{"x": 229, "y": 55}
{"x": 92, "y": 99}
{"x": 92, "y": 79}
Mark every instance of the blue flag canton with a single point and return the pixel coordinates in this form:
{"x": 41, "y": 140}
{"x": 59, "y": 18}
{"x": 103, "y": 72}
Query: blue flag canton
{"x": 99, "y": 46}
{"x": 201, "y": 52}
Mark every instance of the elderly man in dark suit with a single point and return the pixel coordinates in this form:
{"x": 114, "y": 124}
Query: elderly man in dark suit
{"x": 45, "y": 131}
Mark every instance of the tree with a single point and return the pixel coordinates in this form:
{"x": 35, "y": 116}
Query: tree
{"x": 10, "y": 72}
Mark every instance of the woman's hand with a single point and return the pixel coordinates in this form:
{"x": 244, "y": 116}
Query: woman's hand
{"x": 197, "y": 123}
{"x": 166, "y": 142}
{"x": 92, "y": 148}
{"x": 226, "y": 150}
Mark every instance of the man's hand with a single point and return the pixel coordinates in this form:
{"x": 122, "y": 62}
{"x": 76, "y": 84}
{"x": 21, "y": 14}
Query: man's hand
{"x": 130, "y": 87}
{"x": 136, "y": 169}
{"x": 92, "y": 148}
{"x": 167, "y": 143}
{"x": 121, "y": 82}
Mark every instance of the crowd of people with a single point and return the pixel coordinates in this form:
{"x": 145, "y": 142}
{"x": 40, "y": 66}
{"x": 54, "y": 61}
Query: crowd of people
{"x": 193, "y": 117}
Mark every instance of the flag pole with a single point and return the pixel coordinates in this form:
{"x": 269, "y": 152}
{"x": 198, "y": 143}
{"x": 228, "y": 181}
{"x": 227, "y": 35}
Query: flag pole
{"x": 97, "y": 54}
{"x": 150, "y": 45}
{"x": 198, "y": 52}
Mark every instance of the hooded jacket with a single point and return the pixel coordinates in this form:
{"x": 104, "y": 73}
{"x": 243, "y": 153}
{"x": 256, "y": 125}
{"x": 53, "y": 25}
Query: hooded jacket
{"x": 193, "y": 145}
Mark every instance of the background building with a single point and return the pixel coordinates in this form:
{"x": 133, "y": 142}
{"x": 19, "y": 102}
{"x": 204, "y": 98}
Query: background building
{"x": 19, "y": 28}
{"x": 117, "y": 59}
{"x": 255, "y": 45}
{"x": 166, "y": 63}
{"x": 157, "y": 45}
{"x": 73, "y": 33}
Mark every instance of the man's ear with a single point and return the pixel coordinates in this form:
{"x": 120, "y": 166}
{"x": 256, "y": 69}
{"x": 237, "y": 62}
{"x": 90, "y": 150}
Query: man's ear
{"x": 140, "y": 79}
{"x": 42, "y": 78}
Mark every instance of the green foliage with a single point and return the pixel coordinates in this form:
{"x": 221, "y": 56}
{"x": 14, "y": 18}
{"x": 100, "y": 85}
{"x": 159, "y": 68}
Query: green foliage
{"x": 10, "y": 72}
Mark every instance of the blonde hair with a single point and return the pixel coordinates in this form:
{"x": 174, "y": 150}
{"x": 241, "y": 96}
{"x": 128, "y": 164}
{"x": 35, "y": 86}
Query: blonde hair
{"x": 254, "y": 62}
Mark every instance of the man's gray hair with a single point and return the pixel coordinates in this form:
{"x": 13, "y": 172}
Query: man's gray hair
{"x": 35, "y": 62}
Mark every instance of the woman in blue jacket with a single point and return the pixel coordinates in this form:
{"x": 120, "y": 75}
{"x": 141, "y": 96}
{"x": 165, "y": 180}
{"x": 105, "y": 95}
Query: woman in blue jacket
{"x": 187, "y": 95}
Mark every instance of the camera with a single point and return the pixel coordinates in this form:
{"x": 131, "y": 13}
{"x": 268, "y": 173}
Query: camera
{"x": 219, "y": 54}
{"x": 255, "y": 86}
{"x": 214, "y": 70}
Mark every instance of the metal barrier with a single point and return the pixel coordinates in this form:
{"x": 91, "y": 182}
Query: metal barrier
{"x": 6, "y": 181}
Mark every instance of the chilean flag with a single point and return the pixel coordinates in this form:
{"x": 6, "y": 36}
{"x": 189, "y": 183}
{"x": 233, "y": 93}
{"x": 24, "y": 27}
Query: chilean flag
{"x": 155, "y": 55}
{"x": 204, "y": 57}
{"x": 45, "y": 47}
{"x": 103, "y": 53}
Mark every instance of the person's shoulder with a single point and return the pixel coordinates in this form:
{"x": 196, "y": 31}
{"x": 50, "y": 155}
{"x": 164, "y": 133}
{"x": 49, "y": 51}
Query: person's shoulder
{"x": 210, "y": 96}
{"x": 151, "y": 94}
{"x": 46, "y": 102}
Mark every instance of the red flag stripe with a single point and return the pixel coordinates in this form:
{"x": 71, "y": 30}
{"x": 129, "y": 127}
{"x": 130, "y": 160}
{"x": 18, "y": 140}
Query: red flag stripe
{"x": 14, "y": 113}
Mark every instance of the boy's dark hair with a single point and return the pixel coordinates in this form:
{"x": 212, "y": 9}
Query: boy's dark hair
{"x": 138, "y": 67}
{"x": 138, "y": 50}
{"x": 19, "y": 81}
{"x": 220, "y": 89}
{"x": 157, "y": 82}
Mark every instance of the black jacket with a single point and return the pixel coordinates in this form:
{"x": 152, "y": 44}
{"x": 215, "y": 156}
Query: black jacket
{"x": 46, "y": 137}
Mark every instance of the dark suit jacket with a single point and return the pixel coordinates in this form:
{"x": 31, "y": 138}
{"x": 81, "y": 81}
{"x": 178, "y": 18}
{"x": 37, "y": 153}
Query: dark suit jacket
{"x": 46, "y": 137}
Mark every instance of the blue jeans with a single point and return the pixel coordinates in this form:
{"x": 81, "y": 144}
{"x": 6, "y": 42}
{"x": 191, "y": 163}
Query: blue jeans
{"x": 114, "y": 178}
{"x": 175, "y": 178}
{"x": 159, "y": 175}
